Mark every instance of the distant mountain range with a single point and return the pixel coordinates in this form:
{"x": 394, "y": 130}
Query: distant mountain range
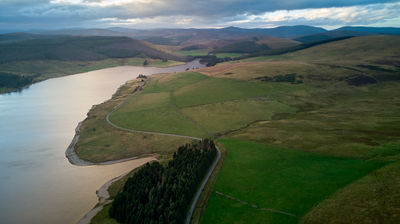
{"x": 234, "y": 32}
{"x": 187, "y": 37}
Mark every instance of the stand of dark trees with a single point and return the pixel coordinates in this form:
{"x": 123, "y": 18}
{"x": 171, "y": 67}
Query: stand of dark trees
{"x": 163, "y": 195}
{"x": 8, "y": 80}
{"x": 211, "y": 60}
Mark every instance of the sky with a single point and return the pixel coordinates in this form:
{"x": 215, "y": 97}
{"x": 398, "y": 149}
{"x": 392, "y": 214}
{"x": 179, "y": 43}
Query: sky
{"x": 144, "y": 14}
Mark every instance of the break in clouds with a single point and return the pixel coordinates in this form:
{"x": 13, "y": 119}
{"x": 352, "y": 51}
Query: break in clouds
{"x": 53, "y": 14}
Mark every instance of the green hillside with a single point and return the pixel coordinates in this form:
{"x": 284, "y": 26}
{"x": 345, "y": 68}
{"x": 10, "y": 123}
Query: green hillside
{"x": 323, "y": 119}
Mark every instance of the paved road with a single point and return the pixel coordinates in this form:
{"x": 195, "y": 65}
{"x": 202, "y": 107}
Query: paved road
{"x": 196, "y": 198}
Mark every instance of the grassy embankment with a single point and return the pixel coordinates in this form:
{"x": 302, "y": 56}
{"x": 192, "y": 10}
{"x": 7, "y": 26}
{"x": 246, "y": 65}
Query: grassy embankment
{"x": 100, "y": 142}
{"x": 326, "y": 116}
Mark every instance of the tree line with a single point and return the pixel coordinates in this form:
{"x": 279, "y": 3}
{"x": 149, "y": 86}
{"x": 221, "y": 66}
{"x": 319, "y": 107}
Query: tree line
{"x": 157, "y": 194}
{"x": 8, "y": 80}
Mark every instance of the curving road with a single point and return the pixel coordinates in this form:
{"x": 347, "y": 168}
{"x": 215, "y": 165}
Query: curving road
{"x": 196, "y": 198}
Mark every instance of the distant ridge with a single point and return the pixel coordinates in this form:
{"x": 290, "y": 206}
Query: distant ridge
{"x": 375, "y": 30}
{"x": 181, "y": 35}
{"x": 87, "y": 48}
{"x": 348, "y": 31}
{"x": 19, "y": 36}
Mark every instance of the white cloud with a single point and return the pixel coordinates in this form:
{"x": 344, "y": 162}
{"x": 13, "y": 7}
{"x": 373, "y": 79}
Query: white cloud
{"x": 335, "y": 16}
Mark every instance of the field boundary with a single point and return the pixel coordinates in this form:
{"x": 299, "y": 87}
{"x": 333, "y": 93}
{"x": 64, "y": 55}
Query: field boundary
{"x": 253, "y": 205}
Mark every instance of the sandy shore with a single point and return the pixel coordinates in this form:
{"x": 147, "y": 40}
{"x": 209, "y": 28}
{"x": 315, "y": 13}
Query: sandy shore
{"x": 103, "y": 195}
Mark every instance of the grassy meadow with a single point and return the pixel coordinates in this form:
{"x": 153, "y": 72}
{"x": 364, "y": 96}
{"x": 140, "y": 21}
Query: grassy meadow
{"x": 282, "y": 179}
{"x": 306, "y": 133}
{"x": 193, "y": 104}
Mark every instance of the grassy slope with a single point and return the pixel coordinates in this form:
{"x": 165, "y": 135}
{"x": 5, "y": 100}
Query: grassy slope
{"x": 372, "y": 199}
{"x": 323, "y": 115}
{"x": 196, "y": 105}
{"x": 266, "y": 176}
{"x": 336, "y": 119}
{"x": 349, "y": 51}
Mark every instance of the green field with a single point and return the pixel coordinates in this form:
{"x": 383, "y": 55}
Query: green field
{"x": 193, "y": 104}
{"x": 288, "y": 180}
{"x": 372, "y": 199}
{"x": 302, "y": 147}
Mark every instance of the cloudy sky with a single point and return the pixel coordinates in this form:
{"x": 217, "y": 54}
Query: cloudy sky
{"x": 57, "y": 14}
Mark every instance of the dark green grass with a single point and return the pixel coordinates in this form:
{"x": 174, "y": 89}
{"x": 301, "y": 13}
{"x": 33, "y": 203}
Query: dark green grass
{"x": 277, "y": 178}
{"x": 227, "y": 211}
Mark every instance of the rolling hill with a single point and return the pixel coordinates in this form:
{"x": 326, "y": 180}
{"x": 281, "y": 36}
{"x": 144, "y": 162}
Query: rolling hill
{"x": 187, "y": 37}
{"x": 40, "y": 57}
{"x": 16, "y": 37}
{"x": 313, "y": 119}
{"x": 348, "y": 31}
{"x": 373, "y": 30}
{"x": 80, "y": 48}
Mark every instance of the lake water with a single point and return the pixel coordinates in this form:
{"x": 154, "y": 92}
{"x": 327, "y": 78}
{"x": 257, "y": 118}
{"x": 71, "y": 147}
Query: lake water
{"x": 37, "y": 183}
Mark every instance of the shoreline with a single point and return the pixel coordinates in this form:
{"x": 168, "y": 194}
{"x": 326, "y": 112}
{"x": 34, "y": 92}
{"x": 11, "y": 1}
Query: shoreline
{"x": 74, "y": 159}
{"x": 103, "y": 198}
{"x": 22, "y": 88}
{"x": 102, "y": 193}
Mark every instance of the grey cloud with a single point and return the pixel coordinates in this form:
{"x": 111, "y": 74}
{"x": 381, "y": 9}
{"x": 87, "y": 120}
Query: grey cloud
{"x": 23, "y": 12}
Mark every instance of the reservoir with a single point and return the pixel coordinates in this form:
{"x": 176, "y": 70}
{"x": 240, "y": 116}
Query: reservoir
{"x": 37, "y": 183}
